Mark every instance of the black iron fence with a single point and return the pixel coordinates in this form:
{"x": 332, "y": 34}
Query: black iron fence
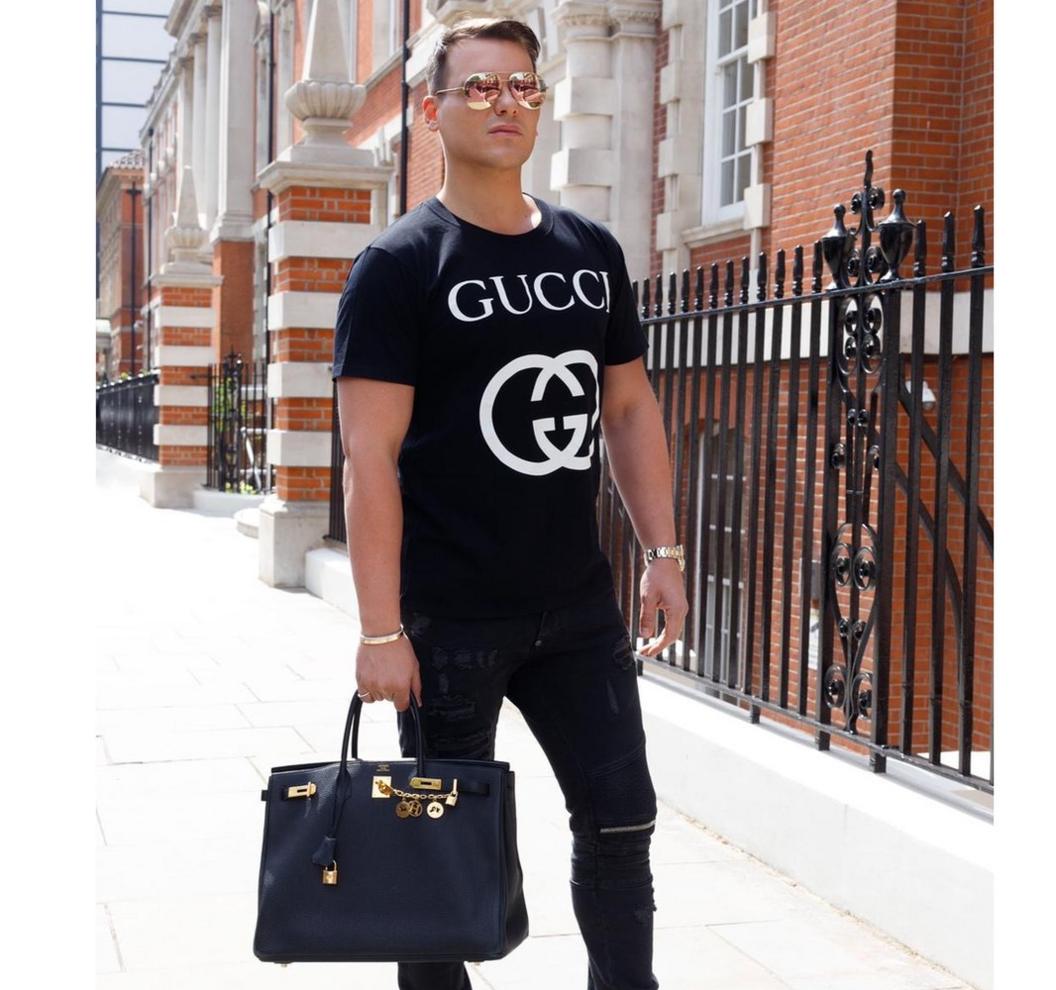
{"x": 833, "y": 485}
{"x": 125, "y": 415}
{"x": 237, "y": 442}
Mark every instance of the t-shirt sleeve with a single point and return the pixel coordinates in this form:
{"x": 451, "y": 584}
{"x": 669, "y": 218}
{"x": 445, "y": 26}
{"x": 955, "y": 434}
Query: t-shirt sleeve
{"x": 377, "y": 333}
{"x": 625, "y": 339}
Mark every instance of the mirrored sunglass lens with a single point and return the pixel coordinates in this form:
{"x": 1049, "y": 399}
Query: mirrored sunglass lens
{"x": 527, "y": 88}
{"x": 482, "y": 87}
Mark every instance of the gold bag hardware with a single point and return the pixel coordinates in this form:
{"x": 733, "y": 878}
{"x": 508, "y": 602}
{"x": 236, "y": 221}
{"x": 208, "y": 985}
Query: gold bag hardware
{"x": 426, "y": 783}
{"x": 301, "y": 790}
{"x": 381, "y": 787}
{"x": 330, "y": 874}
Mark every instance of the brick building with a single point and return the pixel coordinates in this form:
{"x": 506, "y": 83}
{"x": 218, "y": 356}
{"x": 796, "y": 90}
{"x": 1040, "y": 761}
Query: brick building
{"x": 697, "y": 130}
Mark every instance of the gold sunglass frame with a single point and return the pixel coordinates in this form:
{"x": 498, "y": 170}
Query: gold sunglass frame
{"x": 487, "y": 104}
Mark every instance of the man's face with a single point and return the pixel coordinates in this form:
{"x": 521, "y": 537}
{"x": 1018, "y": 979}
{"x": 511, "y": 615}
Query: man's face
{"x": 469, "y": 135}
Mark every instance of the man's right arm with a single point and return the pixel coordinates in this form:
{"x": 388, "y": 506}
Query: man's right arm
{"x": 374, "y": 417}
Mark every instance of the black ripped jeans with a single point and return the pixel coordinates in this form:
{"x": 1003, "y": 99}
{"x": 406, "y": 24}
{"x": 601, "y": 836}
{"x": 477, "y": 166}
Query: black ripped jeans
{"x": 572, "y": 674}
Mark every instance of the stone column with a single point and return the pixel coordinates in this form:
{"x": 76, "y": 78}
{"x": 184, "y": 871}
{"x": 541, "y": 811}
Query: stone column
{"x": 185, "y": 113}
{"x": 183, "y": 320}
{"x": 585, "y": 101}
{"x": 323, "y": 192}
{"x": 199, "y": 91}
{"x": 212, "y": 112}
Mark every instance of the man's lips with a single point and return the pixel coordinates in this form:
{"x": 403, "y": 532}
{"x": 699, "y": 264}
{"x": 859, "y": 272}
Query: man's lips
{"x": 505, "y": 129}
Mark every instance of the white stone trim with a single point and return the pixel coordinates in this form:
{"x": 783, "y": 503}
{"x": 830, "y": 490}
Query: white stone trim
{"x": 575, "y": 95}
{"x": 174, "y": 435}
{"x": 757, "y": 205}
{"x": 759, "y": 121}
{"x": 181, "y": 395}
{"x": 181, "y": 356}
{"x": 300, "y": 380}
{"x": 583, "y": 167}
{"x": 762, "y": 37}
{"x": 184, "y": 316}
{"x": 299, "y": 448}
{"x": 318, "y": 239}
{"x": 311, "y": 310}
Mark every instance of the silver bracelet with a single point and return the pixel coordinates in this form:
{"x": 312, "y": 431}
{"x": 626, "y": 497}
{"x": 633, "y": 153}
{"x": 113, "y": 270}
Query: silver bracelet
{"x": 390, "y": 637}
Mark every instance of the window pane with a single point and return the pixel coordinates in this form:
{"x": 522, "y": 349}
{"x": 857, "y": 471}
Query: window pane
{"x": 725, "y": 27}
{"x": 136, "y": 37}
{"x": 747, "y": 79}
{"x": 740, "y": 30}
{"x": 121, "y": 127}
{"x": 729, "y": 133}
{"x": 727, "y": 182}
{"x": 129, "y": 82}
{"x": 744, "y": 168}
{"x": 741, "y": 114}
{"x": 729, "y": 85}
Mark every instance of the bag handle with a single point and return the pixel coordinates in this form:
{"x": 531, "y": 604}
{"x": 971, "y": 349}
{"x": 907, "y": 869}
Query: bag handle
{"x": 352, "y": 730}
{"x": 324, "y": 855}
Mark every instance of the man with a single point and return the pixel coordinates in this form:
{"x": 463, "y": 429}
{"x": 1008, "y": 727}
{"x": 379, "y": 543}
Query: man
{"x": 482, "y": 339}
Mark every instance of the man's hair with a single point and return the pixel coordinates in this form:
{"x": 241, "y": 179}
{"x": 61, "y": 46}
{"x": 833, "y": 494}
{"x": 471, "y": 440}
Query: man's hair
{"x": 504, "y": 29}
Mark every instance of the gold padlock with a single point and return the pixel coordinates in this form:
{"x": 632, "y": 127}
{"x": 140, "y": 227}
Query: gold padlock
{"x": 330, "y": 873}
{"x": 452, "y": 797}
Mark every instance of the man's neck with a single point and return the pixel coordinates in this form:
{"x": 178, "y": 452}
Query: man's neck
{"x": 489, "y": 199}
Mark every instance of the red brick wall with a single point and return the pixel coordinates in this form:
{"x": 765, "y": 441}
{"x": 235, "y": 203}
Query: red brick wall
{"x": 832, "y": 82}
{"x": 233, "y": 298}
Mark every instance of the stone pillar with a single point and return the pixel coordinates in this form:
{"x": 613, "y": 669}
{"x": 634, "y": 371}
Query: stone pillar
{"x": 324, "y": 190}
{"x": 231, "y": 236}
{"x": 212, "y": 112}
{"x": 185, "y": 113}
{"x": 183, "y": 320}
{"x": 585, "y": 101}
{"x": 199, "y": 90}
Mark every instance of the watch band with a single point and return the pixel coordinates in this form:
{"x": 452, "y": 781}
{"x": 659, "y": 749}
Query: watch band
{"x": 676, "y": 552}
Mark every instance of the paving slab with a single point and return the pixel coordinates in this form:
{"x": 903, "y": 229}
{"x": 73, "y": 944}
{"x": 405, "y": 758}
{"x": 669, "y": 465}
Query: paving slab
{"x": 206, "y": 678}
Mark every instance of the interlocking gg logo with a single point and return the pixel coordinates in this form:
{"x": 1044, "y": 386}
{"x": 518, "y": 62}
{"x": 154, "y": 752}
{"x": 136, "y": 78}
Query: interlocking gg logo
{"x": 554, "y": 457}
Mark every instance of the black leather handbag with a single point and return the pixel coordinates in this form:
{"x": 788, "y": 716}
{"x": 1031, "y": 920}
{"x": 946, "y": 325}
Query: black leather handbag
{"x": 388, "y": 860}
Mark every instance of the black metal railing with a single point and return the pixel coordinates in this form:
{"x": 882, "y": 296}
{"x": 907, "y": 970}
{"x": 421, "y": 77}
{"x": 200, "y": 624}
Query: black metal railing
{"x": 237, "y": 439}
{"x": 125, "y": 415}
{"x": 836, "y": 515}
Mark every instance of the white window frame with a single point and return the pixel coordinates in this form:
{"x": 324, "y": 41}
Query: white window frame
{"x": 712, "y": 212}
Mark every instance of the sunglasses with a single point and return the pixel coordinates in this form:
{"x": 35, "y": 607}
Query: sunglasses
{"x": 483, "y": 89}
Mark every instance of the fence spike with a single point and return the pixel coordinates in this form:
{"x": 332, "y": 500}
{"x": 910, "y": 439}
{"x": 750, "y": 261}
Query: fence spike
{"x": 779, "y": 275}
{"x": 815, "y": 277}
{"x": 745, "y": 263}
{"x": 728, "y": 300}
{"x": 761, "y": 277}
{"x": 685, "y": 290}
{"x": 646, "y": 310}
{"x": 713, "y": 286}
{"x": 797, "y": 270}
{"x": 672, "y": 291}
{"x": 948, "y": 241}
{"x": 978, "y": 238}
{"x": 659, "y": 303}
{"x": 698, "y": 302}
{"x": 920, "y": 259}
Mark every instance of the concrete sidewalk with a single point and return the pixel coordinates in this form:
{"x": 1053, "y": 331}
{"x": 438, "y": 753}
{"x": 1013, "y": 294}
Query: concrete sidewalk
{"x": 207, "y": 678}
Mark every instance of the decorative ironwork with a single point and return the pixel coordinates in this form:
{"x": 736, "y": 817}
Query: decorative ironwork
{"x": 237, "y": 449}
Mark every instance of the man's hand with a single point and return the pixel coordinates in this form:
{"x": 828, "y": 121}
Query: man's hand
{"x": 662, "y": 589}
{"x": 389, "y": 671}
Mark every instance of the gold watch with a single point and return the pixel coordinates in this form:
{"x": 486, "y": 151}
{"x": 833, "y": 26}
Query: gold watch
{"x": 676, "y": 552}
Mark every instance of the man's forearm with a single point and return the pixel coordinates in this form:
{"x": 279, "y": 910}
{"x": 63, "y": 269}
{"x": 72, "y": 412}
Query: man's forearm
{"x": 374, "y": 523}
{"x": 637, "y": 448}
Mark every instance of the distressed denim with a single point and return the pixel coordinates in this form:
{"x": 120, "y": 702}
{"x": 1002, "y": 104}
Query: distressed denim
{"x": 571, "y": 673}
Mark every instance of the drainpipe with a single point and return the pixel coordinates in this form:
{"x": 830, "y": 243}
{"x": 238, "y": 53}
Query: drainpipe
{"x": 405, "y": 98}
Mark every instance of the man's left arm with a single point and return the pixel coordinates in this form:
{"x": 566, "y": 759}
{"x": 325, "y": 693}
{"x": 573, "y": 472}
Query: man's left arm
{"x": 638, "y": 456}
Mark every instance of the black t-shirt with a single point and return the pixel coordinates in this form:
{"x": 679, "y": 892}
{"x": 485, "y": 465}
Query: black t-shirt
{"x": 505, "y": 338}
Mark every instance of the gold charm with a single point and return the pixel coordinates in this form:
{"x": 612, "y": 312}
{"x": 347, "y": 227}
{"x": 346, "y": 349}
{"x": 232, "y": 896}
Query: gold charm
{"x": 452, "y": 797}
{"x": 435, "y": 809}
{"x": 416, "y": 808}
{"x": 403, "y": 809}
{"x": 330, "y": 874}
